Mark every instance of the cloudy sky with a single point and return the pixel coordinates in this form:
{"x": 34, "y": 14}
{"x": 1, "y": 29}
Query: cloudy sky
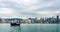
{"x": 29, "y": 8}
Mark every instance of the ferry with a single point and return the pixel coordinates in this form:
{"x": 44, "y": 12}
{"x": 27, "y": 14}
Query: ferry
{"x": 15, "y": 23}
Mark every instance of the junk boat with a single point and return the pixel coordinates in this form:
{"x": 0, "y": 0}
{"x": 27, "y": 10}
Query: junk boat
{"x": 15, "y": 23}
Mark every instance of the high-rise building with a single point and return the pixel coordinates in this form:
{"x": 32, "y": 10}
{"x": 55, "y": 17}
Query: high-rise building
{"x": 35, "y": 20}
{"x": 57, "y": 19}
{"x": 28, "y": 21}
{"x": 40, "y": 20}
{"x": 3, "y": 21}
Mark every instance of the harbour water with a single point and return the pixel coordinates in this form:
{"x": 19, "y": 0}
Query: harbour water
{"x": 30, "y": 28}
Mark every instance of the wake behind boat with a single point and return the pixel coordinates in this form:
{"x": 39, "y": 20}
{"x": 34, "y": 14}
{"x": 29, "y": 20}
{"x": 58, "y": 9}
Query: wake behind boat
{"x": 15, "y": 23}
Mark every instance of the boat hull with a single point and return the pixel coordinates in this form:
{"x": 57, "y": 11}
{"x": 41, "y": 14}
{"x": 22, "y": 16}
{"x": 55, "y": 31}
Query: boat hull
{"x": 15, "y": 24}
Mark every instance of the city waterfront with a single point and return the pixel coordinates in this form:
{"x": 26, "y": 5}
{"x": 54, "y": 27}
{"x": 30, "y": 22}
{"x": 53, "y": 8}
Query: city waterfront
{"x": 30, "y": 28}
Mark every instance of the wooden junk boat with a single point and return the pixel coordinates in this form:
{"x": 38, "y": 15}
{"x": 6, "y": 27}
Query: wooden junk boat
{"x": 15, "y": 23}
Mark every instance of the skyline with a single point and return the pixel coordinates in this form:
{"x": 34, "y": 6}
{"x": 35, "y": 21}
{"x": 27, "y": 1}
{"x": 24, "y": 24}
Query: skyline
{"x": 29, "y": 8}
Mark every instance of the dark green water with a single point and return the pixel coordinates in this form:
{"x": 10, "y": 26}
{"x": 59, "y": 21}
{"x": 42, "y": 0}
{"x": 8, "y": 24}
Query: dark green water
{"x": 30, "y": 28}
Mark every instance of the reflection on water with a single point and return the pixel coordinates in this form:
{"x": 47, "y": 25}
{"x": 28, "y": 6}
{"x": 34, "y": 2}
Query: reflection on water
{"x": 8, "y": 28}
{"x": 30, "y": 28}
{"x": 58, "y": 28}
{"x": 15, "y": 29}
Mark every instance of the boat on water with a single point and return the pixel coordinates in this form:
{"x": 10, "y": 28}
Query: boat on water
{"x": 15, "y": 23}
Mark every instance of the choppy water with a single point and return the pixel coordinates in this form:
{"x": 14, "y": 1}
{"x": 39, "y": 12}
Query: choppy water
{"x": 30, "y": 28}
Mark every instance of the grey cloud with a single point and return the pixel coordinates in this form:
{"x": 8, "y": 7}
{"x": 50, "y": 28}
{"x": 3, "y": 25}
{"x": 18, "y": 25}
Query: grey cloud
{"x": 23, "y": 9}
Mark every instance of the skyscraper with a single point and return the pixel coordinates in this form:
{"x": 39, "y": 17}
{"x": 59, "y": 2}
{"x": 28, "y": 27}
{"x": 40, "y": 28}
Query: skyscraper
{"x": 35, "y": 19}
{"x": 57, "y": 19}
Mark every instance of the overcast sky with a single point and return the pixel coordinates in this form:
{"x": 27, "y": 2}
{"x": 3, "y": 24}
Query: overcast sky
{"x": 29, "y": 8}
